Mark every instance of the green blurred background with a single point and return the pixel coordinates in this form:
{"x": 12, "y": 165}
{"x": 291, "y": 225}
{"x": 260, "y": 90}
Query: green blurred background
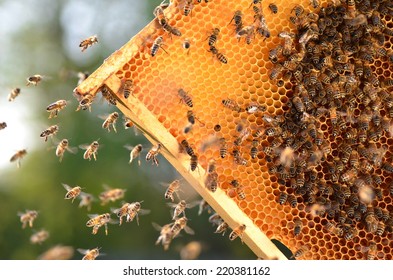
{"x": 42, "y": 37}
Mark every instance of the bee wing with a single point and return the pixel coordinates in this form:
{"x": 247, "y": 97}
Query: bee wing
{"x": 156, "y": 226}
{"x": 192, "y": 204}
{"x": 115, "y": 210}
{"x": 67, "y": 187}
{"x": 189, "y": 230}
{"x": 144, "y": 211}
{"x": 84, "y": 146}
{"x": 106, "y": 187}
{"x": 129, "y": 147}
{"x": 171, "y": 204}
{"x": 103, "y": 117}
{"x": 83, "y": 251}
{"x": 113, "y": 222}
{"x": 91, "y": 216}
{"x": 72, "y": 150}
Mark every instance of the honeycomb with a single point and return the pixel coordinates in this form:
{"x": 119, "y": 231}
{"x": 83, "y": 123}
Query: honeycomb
{"x": 300, "y": 140}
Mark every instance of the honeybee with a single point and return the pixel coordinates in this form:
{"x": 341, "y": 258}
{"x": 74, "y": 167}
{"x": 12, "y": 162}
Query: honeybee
{"x": 314, "y": 3}
{"x": 3, "y": 125}
{"x": 237, "y": 232}
{"x": 193, "y": 162}
{"x": 239, "y": 189}
{"x": 55, "y": 107}
{"x": 283, "y": 197}
{"x": 204, "y": 206}
{"x": 185, "y": 97}
{"x": 181, "y": 224}
{"x": 213, "y": 37}
{"x": 186, "y": 146}
{"x": 231, "y": 104}
{"x": 13, "y": 94}
{"x": 262, "y": 27}
{"x": 273, "y": 8}
{"x": 107, "y": 95}
{"x": 89, "y": 254}
{"x": 223, "y": 148}
{"x": 110, "y": 121}
{"x": 39, "y": 237}
{"x": 244, "y": 133}
{"x": 238, "y": 20}
{"x": 72, "y": 193}
{"x": 288, "y": 41}
{"x": 18, "y": 157}
{"x": 135, "y": 152}
{"x": 299, "y": 10}
{"x": 86, "y": 200}
{"x": 330, "y": 227}
{"x": 84, "y": 44}
{"x": 28, "y": 218}
{"x": 152, "y": 154}
{"x": 301, "y": 251}
{"x": 298, "y": 227}
{"x": 127, "y": 88}
{"x": 165, "y": 235}
{"x": 220, "y": 57}
{"x": 187, "y": 7}
{"x": 57, "y": 252}
{"x": 158, "y": 43}
{"x": 172, "y": 189}
{"x": 34, "y": 80}
{"x": 287, "y": 156}
{"x": 62, "y": 147}
{"x": 222, "y": 228}
{"x": 91, "y": 150}
{"x": 247, "y": 32}
{"x": 131, "y": 211}
{"x": 237, "y": 158}
{"x": 372, "y": 251}
{"x": 191, "y": 251}
{"x": 49, "y": 132}
{"x": 85, "y": 102}
{"x": 180, "y": 208}
{"x": 96, "y": 221}
{"x": 82, "y": 76}
{"x": 211, "y": 182}
{"x": 111, "y": 194}
{"x": 187, "y": 45}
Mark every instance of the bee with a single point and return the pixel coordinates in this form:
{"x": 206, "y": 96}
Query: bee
{"x": 242, "y": 136}
{"x": 262, "y": 27}
{"x": 172, "y": 189}
{"x": 372, "y": 251}
{"x": 28, "y": 218}
{"x": 223, "y": 148}
{"x": 108, "y": 96}
{"x": 187, "y": 45}
{"x": 88, "y": 42}
{"x": 203, "y": 205}
{"x": 58, "y": 252}
{"x": 3, "y": 125}
{"x": 298, "y": 103}
{"x": 180, "y": 224}
{"x": 135, "y": 152}
{"x": 91, "y": 150}
{"x": 212, "y": 38}
{"x": 283, "y": 197}
{"x": 39, "y": 237}
{"x": 49, "y": 132}
{"x": 211, "y": 167}
{"x": 221, "y": 57}
{"x": 187, "y": 7}
{"x": 96, "y": 221}
{"x": 222, "y": 228}
{"x": 110, "y": 121}
{"x": 185, "y": 97}
{"x": 314, "y": 3}
{"x": 298, "y": 227}
{"x": 133, "y": 210}
{"x": 85, "y": 102}
{"x": 72, "y": 193}
{"x": 111, "y": 194}
{"x": 237, "y": 232}
{"x": 276, "y": 71}
{"x": 237, "y": 158}
{"x": 82, "y": 76}
{"x": 152, "y": 154}
{"x": 180, "y": 208}
{"x": 274, "y": 53}
{"x": 238, "y": 20}
{"x": 231, "y": 104}
{"x": 34, "y": 80}
{"x": 211, "y": 182}
{"x": 191, "y": 251}
{"x": 193, "y": 162}
{"x": 127, "y": 88}
{"x": 301, "y": 251}
{"x": 86, "y": 200}
{"x": 184, "y": 143}
{"x": 299, "y": 10}
{"x": 239, "y": 189}
{"x": 273, "y": 8}
{"x": 165, "y": 235}
{"x": 18, "y": 157}
{"x": 55, "y": 107}
{"x": 292, "y": 200}
{"x": 254, "y": 149}
{"x": 330, "y": 227}
{"x": 89, "y": 254}
{"x": 247, "y": 32}
{"x": 288, "y": 42}
{"x": 158, "y": 43}
{"x": 13, "y": 94}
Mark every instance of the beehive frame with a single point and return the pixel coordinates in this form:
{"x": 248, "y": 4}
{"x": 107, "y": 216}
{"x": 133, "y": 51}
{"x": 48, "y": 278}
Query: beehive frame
{"x": 155, "y": 108}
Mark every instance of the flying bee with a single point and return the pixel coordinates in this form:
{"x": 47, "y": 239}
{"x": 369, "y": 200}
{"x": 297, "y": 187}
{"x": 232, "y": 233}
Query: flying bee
{"x": 57, "y": 252}
{"x": 298, "y": 227}
{"x": 153, "y": 153}
{"x": 213, "y": 37}
{"x": 127, "y": 88}
{"x": 49, "y": 132}
{"x": 35, "y": 80}
{"x": 273, "y": 8}
{"x": 85, "y": 102}
{"x": 13, "y": 94}
{"x": 110, "y": 121}
{"x": 3, "y": 125}
{"x": 91, "y": 150}
{"x": 86, "y": 200}
{"x": 185, "y": 97}
{"x": 96, "y": 221}
{"x": 89, "y": 254}
{"x": 72, "y": 193}
{"x": 172, "y": 189}
{"x": 180, "y": 224}
{"x": 220, "y": 57}
{"x": 88, "y": 42}
{"x": 39, "y": 237}
{"x": 55, "y": 107}
{"x": 231, "y": 104}
{"x": 165, "y": 235}
{"x": 82, "y": 76}
{"x": 246, "y": 32}
{"x": 131, "y": 211}
{"x": 111, "y": 195}
{"x": 204, "y": 206}
{"x": 180, "y": 208}
{"x": 28, "y": 218}
{"x": 237, "y": 232}
{"x": 135, "y": 152}
{"x": 222, "y": 228}
{"x": 238, "y": 20}
{"x": 18, "y": 157}
{"x": 158, "y": 43}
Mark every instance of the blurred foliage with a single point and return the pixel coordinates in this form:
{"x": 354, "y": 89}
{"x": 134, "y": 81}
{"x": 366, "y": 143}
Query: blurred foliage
{"x": 42, "y": 44}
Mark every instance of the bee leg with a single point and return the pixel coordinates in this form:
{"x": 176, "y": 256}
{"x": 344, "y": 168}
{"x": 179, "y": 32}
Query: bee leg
{"x": 106, "y": 229}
